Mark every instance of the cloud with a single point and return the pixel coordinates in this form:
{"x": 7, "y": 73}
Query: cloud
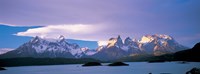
{"x": 102, "y": 43}
{"x": 43, "y": 12}
{"x": 132, "y": 18}
{"x": 73, "y": 31}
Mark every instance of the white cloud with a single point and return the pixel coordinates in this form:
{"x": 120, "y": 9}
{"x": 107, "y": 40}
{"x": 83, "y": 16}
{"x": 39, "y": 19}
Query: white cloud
{"x": 73, "y": 31}
{"x": 102, "y": 43}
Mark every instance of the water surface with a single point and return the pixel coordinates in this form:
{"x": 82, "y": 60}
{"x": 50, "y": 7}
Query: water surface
{"x": 133, "y": 68}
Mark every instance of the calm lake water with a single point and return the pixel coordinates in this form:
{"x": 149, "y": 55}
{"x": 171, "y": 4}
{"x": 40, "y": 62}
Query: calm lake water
{"x": 133, "y": 68}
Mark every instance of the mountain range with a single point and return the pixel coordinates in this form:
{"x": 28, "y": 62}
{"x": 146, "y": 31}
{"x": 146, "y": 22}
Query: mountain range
{"x": 116, "y": 48}
{"x": 148, "y": 45}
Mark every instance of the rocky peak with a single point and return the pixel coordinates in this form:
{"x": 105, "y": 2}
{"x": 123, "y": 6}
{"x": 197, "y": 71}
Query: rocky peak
{"x": 61, "y": 38}
{"x": 118, "y": 37}
{"x": 127, "y": 41}
{"x": 156, "y": 37}
{"x": 115, "y": 42}
{"x": 35, "y": 39}
{"x": 119, "y": 41}
{"x": 111, "y": 42}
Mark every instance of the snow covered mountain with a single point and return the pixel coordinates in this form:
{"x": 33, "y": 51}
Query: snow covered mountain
{"x": 38, "y": 47}
{"x": 159, "y": 44}
{"x": 115, "y": 49}
{"x": 149, "y": 44}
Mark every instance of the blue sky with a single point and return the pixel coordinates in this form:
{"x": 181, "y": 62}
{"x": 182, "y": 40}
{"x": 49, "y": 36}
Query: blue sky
{"x": 98, "y": 20}
{"x": 8, "y": 40}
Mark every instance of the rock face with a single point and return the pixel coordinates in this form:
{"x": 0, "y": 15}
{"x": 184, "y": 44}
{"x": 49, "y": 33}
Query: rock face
{"x": 118, "y": 64}
{"x": 92, "y": 64}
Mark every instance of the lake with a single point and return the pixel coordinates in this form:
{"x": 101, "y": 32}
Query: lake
{"x": 133, "y": 68}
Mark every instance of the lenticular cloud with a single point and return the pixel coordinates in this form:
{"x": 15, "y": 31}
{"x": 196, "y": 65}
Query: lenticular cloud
{"x": 77, "y": 31}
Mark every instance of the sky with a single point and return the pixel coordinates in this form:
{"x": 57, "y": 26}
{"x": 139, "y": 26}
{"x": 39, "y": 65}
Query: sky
{"x": 98, "y": 20}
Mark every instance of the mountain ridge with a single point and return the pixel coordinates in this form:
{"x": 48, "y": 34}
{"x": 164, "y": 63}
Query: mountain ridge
{"x": 115, "y": 49}
{"x": 149, "y": 44}
{"x": 38, "y": 47}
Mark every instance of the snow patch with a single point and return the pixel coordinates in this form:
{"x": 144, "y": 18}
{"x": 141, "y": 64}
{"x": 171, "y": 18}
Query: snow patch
{"x": 5, "y": 50}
